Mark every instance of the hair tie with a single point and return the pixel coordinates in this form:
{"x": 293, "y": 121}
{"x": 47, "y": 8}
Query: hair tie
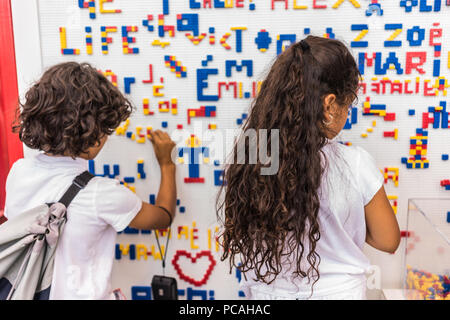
{"x": 304, "y": 45}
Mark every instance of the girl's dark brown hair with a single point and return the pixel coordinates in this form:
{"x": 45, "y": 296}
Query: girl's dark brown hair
{"x": 269, "y": 217}
{"x": 69, "y": 110}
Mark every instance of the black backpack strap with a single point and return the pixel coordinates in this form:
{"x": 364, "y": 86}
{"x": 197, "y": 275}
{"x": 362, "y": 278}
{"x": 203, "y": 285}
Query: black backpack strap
{"x": 78, "y": 183}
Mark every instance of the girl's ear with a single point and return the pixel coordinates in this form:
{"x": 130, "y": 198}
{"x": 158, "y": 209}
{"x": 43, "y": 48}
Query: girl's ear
{"x": 329, "y": 107}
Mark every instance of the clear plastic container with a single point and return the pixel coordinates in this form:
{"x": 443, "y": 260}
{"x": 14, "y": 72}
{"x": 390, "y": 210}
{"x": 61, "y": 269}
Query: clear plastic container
{"x": 427, "y": 250}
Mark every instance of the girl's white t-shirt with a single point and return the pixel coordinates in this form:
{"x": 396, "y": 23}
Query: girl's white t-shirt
{"x": 349, "y": 183}
{"x": 85, "y": 252}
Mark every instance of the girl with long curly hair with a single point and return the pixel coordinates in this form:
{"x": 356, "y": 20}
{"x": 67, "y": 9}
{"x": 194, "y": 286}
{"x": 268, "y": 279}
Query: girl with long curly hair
{"x": 299, "y": 233}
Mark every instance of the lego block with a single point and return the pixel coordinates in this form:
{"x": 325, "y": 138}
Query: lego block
{"x": 282, "y": 38}
{"x": 408, "y": 4}
{"x": 103, "y": 10}
{"x": 240, "y": 120}
{"x": 208, "y": 59}
{"x": 357, "y": 43}
{"x": 106, "y": 170}
{"x": 175, "y": 66}
{"x": 285, "y": 3}
{"x": 223, "y": 41}
{"x": 88, "y": 4}
{"x": 329, "y": 33}
{"x": 158, "y": 42}
{"x": 394, "y": 176}
{"x": 392, "y": 134}
{"x": 88, "y": 38}
{"x": 394, "y": 202}
{"x": 162, "y": 29}
{"x": 227, "y": 86}
{"x": 212, "y": 37}
{"x": 446, "y": 184}
{"x": 126, "y": 40}
{"x": 238, "y": 31}
{"x": 405, "y": 234}
{"x": 390, "y": 41}
{"x": 229, "y": 64}
{"x": 263, "y": 40}
{"x": 202, "y": 78}
{"x": 141, "y": 293}
{"x": 339, "y": 2}
{"x": 436, "y": 68}
{"x": 411, "y": 112}
{"x": 374, "y": 8}
{"x": 445, "y": 157}
{"x": 129, "y": 250}
{"x": 109, "y": 73}
{"x": 127, "y": 84}
{"x": 140, "y": 169}
{"x": 156, "y": 91}
{"x": 63, "y": 42}
{"x": 219, "y": 178}
{"x": 146, "y": 23}
{"x": 128, "y": 179}
{"x": 424, "y": 7}
{"x": 389, "y": 117}
{"x": 195, "y": 40}
{"x": 188, "y": 22}
{"x": 203, "y": 111}
{"x": 164, "y": 124}
{"x": 104, "y": 30}
{"x": 129, "y": 230}
{"x": 391, "y": 60}
{"x": 193, "y": 4}
{"x": 165, "y": 7}
{"x": 146, "y": 107}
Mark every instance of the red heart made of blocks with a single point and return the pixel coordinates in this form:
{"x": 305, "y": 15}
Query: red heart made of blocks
{"x": 193, "y": 259}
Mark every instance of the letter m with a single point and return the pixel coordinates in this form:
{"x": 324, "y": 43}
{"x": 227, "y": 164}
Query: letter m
{"x": 229, "y": 64}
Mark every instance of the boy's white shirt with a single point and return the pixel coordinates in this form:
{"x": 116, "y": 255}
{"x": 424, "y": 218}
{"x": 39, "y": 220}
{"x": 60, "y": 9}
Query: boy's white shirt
{"x": 348, "y": 184}
{"x": 85, "y": 252}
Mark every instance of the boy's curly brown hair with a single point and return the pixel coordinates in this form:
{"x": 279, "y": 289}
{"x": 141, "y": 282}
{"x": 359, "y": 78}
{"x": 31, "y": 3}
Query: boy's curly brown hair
{"x": 69, "y": 110}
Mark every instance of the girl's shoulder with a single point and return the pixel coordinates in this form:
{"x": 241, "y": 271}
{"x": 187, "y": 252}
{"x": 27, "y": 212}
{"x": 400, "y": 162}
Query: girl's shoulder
{"x": 354, "y": 159}
{"x": 349, "y": 153}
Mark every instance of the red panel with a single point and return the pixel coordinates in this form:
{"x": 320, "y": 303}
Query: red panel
{"x": 11, "y": 148}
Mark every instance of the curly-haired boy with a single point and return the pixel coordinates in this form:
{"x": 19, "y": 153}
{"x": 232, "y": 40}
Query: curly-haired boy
{"x": 68, "y": 115}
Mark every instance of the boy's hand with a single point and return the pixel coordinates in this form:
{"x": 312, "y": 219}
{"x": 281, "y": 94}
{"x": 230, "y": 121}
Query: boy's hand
{"x": 163, "y": 147}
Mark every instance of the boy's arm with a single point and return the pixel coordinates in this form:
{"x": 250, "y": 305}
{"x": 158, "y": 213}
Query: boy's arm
{"x": 151, "y": 216}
